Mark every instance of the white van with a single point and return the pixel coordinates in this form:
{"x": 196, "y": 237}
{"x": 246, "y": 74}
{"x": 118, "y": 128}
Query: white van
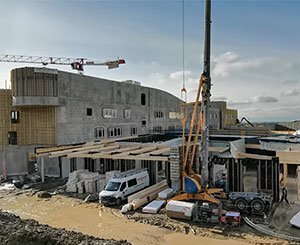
{"x": 122, "y": 185}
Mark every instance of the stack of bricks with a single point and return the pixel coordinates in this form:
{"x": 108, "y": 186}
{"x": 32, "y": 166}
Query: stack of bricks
{"x": 175, "y": 163}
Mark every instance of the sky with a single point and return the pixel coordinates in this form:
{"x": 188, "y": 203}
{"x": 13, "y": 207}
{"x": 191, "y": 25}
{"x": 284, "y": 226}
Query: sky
{"x": 255, "y": 48}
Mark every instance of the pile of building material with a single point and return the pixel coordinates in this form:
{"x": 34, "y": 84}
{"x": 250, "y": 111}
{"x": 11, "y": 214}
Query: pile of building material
{"x": 7, "y": 186}
{"x": 180, "y": 210}
{"x": 145, "y": 196}
{"x": 166, "y": 194}
{"x": 295, "y": 221}
{"x": 154, "y": 206}
{"x": 175, "y": 168}
{"x": 83, "y": 181}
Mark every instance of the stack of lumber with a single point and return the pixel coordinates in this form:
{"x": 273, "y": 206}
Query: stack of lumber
{"x": 147, "y": 195}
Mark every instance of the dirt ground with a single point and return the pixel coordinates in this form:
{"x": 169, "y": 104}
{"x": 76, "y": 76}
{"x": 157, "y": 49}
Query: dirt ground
{"x": 17, "y": 231}
{"x": 96, "y": 220}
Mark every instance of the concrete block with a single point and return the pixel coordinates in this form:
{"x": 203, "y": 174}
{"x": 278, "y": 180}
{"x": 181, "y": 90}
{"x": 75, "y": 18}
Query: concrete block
{"x": 176, "y": 185}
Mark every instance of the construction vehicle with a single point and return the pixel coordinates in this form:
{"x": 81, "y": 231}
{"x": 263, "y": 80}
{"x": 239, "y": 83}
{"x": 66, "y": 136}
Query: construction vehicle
{"x": 244, "y": 119}
{"x": 121, "y": 185}
{"x": 75, "y": 63}
{"x": 194, "y": 185}
{"x": 251, "y": 202}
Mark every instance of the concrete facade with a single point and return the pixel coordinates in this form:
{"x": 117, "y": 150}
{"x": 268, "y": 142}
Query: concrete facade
{"x": 75, "y": 108}
{"x": 81, "y": 102}
{"x": 57, "y": 108}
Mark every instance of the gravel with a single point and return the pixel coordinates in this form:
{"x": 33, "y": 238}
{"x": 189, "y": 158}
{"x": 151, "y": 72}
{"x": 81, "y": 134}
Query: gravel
{"x": 15, "y": 231}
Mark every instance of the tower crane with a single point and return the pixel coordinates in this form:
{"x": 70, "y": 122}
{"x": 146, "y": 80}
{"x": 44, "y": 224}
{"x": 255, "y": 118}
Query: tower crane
{"x": 75, "y": 63}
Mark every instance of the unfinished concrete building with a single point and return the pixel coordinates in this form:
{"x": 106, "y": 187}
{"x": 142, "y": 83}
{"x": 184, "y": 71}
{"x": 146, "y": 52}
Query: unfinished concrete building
{"x": 48, "y": 107}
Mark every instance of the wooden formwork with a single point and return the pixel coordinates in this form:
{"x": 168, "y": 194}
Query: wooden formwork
{"x": 36, "y": 126}
{"x": 5, "y": 109}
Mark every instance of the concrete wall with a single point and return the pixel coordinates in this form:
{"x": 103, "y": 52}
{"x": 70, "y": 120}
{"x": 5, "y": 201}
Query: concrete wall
{"x": 14, "y": 159}
{"x": 279, "y": 146}
{"x": 237, "y": 146}
{"x": 214, "y": 117}
{"x": 77, "y": 93}
{"x": 228, "y": 116}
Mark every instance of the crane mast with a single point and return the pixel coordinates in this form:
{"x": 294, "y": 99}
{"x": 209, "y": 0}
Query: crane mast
{"x": 206, "y": 93}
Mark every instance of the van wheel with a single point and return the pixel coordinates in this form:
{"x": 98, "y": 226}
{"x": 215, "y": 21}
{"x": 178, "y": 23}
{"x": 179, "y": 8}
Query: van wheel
{"x": 119, "y": 201}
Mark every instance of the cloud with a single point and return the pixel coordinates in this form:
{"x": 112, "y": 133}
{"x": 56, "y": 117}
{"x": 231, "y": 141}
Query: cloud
{"x": 178, "y": 75}
{"x": 218, "y": 98}
{"x": 230, "y": 62}
{"x": 257, "y": 99}
{"x": 291, "y": 81}
{"x": 293, "y": 92}
{"x": 265, "y": 99}
{"x": 239, "y": 102}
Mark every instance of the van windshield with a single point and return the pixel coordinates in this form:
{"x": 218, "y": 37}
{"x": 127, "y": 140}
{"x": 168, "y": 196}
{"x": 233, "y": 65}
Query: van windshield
{"x": 112, "y": 186}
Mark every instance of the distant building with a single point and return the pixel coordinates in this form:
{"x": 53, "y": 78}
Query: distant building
{"x": 228, "y": 117}
{"x": 219, "y": 116}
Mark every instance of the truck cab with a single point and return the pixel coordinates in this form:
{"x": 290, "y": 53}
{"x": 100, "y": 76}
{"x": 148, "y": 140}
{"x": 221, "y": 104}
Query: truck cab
{"x": 120, "y": 186}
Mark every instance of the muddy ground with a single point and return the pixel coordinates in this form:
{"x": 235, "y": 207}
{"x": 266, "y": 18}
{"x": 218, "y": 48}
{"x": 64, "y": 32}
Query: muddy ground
{"x": 14, "y": 230}
{"x": 71, "y": 213}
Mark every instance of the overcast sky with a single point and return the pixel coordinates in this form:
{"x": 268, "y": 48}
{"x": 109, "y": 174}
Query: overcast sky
{"x": 255, "y": 46}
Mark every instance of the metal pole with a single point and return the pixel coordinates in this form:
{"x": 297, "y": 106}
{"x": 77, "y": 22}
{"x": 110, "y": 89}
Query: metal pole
{"x": 42, "y": 169}
{"x": 206, "y": 94}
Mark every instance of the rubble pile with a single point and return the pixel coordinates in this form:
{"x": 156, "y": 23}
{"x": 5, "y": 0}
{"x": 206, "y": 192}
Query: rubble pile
{"x": 14, "y": 230}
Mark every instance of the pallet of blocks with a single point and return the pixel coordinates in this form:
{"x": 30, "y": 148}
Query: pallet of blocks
{"x": 83, "y": 181}
{"x": 180, "y": 210}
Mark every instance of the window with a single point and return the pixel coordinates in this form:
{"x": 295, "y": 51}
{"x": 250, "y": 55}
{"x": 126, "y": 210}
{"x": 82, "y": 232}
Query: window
{"x": 73, "y": 164}
{"x": 131, "y": 182}
{"x": 89, "y": 111}
{"x": 127, "y": 113}
{"x": 123, "y": 186}
{"x": 172, "y": 128}
{"x": 15, "y": 117}
{"x": 119, "y": 132}
{"x": 109, "y": 113}
{"x": 99, "y": 132}
{"x": 113, "y": 132}
{"x": 89, "y": 164}
{"x": 133, "y": 131}
{"x": 110, "y": 132}
{"x": 144, "y": 122}
{"x": 157, "y": 129}
{"x": 158, "y": 114}
{"x": 143, "y": 99}
{"x": 12, "y": 138}
{"x": 174, "y": 115}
